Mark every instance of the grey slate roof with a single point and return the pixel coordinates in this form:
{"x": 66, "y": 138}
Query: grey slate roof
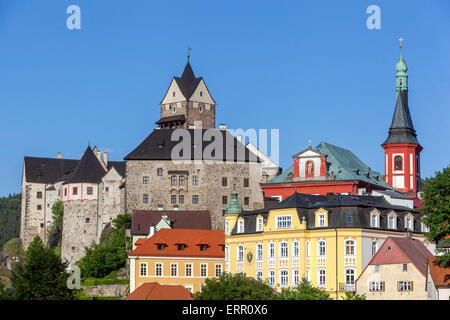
{"x": 402, "y": 128}
{"x": 51, "y": 170}
{"x": 158, "y": 146}
{"x": 339, "y": 208}
{"x": 345, "y": 166}
{"x": 88, "y": 169}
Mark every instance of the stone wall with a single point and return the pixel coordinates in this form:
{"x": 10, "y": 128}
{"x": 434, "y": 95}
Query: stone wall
{"x": 79, "y": 228}
{"x": 209, "y": 189}
{"x": 110, "y": 200}
{"x": 33, "y": 221}
{"x": 107, "y": 290}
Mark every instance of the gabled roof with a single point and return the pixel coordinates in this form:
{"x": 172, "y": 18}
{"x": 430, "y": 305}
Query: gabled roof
{"x": 215, "y": 239}
{"x": 407, "y": 250}
{"x": 402, "y": 128}
{"x": 156, "y": 291}
{"x": 142, "y": 220}
{"x": 440, "y": 275}
{"x": 47, "y": 170}
{"x": 343, "y": 163}
{"x": 158, "y": 146}
{"x": 188, "y": 82}
{"x": 88, "y": 169}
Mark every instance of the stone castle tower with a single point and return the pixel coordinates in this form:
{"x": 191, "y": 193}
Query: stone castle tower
{"x": 187, "y": 100}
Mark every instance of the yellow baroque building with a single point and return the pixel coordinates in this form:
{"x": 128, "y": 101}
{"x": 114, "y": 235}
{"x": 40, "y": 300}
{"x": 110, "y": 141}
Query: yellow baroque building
{"x": 328, "y": 240}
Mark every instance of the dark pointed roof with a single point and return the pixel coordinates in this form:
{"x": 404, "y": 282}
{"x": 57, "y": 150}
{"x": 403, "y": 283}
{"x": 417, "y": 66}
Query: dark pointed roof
{"x": 188, "y": 82}
{"x": 88, "y": 169}
{"x": 402, "y": 128}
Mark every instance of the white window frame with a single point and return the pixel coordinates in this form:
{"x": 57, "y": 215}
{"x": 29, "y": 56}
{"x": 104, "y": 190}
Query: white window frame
{"x": 375, "y": 215}
{"x": 227, "y": 253}
{"x": 283, "y": 250}
{"x": 191, "y": 269}
{"x": 353, "y": 275}
{"x": 374, "y": 245}
{"x": 271, "y": 251}
{"x": 394, "y": 217}
{"x": 161, "y": 264}
{"x": 259, "y": 224}
{"x": 319, "y": 253}
{"x": 319, "y": 282}
{"x": 284, "y": 222}
{"x": 218, "y": 267}
{"x": 174, "y": 266}
{"x": 227, "y": 227}
{"x": 351, "y": 244}
{"x": 295, "y": 277}
{"x": 240, "y": 226}
{"x": 321, "y": 220}
{"x": 308, "y": 248}
{"x": 259, "y": 275}
{"x": 259, "y": 251}
{"x": 404, "y": 286}
{"x": 408, "y": 218}
{"x": 271, "y": 278}
{"x": 308, "y": 275}
{"x": 376, "y": 286}
{"x": 284, "y": 278}
{"x": 295, "y": 249}
{"x": 240, "y": 253}
{"x": 141, "y": 264}
{"x": 203, "y": 269}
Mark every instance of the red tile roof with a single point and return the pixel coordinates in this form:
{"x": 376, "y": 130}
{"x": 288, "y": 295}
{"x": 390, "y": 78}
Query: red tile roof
{"x": 403, "y": 250}
{"x": 192, "y": 238}
{"x": 440, "y": 275}
{"x": 156, "y": 291}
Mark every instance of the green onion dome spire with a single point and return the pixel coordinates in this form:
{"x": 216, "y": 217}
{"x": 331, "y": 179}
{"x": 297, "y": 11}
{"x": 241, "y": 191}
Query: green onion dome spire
{"x": 233, "y": 207}
{"x": 401, "y": 68}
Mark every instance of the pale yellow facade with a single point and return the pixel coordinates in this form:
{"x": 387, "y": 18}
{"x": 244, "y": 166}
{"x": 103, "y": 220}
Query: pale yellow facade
{"x": 188, "y": 271}
{"x": 390, "y": 275}
{"x": 334, "y": 268}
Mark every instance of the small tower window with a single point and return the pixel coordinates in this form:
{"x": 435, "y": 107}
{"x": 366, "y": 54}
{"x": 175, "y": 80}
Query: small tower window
{"x": 173, "y": 94}
{"x": 201, "y": 93}
{"x": 398, "y": 163}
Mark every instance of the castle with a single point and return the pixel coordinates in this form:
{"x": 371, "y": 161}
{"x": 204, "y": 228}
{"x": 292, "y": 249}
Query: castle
{"x": 94, "y": 190}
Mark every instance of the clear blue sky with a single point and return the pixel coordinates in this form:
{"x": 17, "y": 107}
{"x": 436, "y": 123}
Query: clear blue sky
{"x": 310, "y": 68}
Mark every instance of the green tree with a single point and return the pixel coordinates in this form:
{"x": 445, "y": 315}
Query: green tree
{"x": 350, "y": 295}
{"x": 234, "y": 287}
{"x": 304, "y": 291}
{"x": 9, "y": 217}
{"x": 111, "y": 253}
{"x": 42, "y": 276}
{"x": 55, "y": 234}
{"x": 436, "y": 208}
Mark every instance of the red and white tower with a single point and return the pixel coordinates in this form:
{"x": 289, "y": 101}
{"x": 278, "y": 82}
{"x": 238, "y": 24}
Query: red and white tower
{"x": 401, "y": 148}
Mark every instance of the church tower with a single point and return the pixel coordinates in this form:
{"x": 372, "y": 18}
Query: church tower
{"x": 187, "y": 100}
{"x": 401, "y": 148}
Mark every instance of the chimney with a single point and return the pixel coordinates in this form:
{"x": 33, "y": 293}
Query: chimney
{"x": 152, "y": 231}
{"x": 239, "y": 138}
{"x": 222, "y": 126}
{"x": 105, "y": 158}
{"x": 59, "y": 155}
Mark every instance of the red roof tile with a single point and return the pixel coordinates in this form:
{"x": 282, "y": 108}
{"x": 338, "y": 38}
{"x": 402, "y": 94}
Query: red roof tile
{"x": 403, "y": 250}
{"x": 192, "y": 238}
{"x": 156, "y": 291}
{"x": 440, "y": 275}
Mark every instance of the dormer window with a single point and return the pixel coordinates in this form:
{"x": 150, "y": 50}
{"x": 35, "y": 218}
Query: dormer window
{"x": 203, "y": 247}
{"x": 259, "y": 224}
{"x": 374, "y": 220}
{"x": 392, "y": 221}
{"x": 181, "y": 246}
{"x": 424, "y": 227}
{"x": 409, "y": 223}
{"x": 161, "y": 246}
{"x": 321, "y": 220}
{"x": 240, "y": 226}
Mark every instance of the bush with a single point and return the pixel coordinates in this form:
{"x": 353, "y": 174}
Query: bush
{"x": 304, "y": 291}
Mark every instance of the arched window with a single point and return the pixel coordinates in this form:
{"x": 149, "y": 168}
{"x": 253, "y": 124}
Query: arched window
{"x": 259, "y": 251}
{"x": 271, "y": 278}
{"x": 309, "y": 168}
{"x": 284, "y": 278}
{"x": 295, "y": 249}
{"x": 349, "y": 247}
{"x": 374, "y": 247}
{"x": 321, "y": 278}
{"x": 271, "y": 250}
{"x": 308, "y": 248}
{"x": 181, "y": 179}
{"x": 398, "y": 163}
{"x": 173, "y": 180}
{"x": 284, "y": 250}
{"x": 295, "y": 277}
{"x": 259, "y": 276}
{"x": 321, "y": 248}
{"x": 240, "y": 252}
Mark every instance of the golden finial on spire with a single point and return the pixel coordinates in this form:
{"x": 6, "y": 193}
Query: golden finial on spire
{"x": 189, "y": 54}
{"x": 401, "y": 42}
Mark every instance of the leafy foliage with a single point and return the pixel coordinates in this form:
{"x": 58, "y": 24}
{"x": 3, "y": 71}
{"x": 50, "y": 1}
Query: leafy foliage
{"x": 110, "y": 254}
{"x": 436, "y": 194}
{"x": 55, "y": 234}
{"x": 349, "y": 295}
{"x": 10, "y": 217}
{"x": 304, "y": 291}
{"x": 42, "y": 276}
{"x": 234, "y": 287}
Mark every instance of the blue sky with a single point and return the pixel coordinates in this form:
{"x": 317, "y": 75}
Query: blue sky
{"x": 310, "y": 68}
